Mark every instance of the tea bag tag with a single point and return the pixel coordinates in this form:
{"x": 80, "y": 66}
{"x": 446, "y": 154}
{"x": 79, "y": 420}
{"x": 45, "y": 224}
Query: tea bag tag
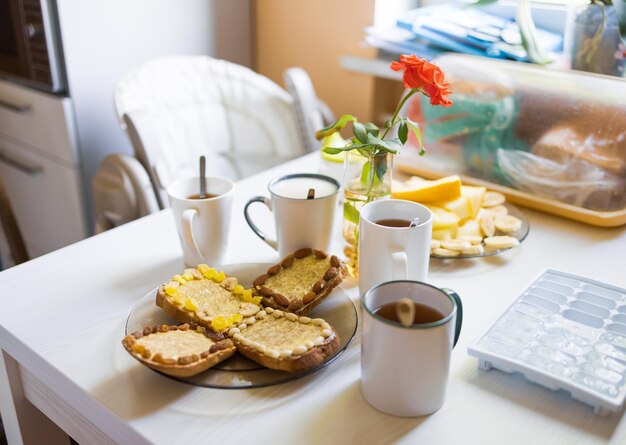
{"x": 311, "y": 194}
{"x": 405, "y": 310}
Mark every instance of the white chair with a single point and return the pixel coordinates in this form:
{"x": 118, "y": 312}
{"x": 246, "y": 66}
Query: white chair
{"x": 174, "y": 110}
{"x": 311, "y": 112}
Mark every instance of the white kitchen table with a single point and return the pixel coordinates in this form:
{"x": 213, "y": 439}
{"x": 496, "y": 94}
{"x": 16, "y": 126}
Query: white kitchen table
{"x": 62, "y": 319}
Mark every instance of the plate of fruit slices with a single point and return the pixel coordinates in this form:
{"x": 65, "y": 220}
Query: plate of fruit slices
{"x": 507, "y": 231}
{"x": 468, "y": 221}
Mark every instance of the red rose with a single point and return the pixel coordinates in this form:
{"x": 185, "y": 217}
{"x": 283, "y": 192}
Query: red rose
{"x": 419, "y": 73}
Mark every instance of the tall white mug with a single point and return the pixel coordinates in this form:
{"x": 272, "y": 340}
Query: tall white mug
{"x": 404, "y": 369}
{"x": 202, "y": 224}
{"x": 300, "y": 221}
{"x": 393, "y": 253}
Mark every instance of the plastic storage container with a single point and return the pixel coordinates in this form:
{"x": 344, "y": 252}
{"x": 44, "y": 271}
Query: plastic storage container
{"x": 552, "y": 140}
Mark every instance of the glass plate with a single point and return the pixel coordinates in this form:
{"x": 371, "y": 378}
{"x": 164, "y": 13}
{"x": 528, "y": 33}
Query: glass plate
{"x": 238, "y": 371}
{"x": 521, "y": 235}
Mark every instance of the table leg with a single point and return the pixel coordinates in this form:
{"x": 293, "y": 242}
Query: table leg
{"x": 23, "y": 423}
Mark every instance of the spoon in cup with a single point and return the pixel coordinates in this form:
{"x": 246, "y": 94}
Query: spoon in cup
{"x": 202, "y": 177}
{"x": 405, "y": 310}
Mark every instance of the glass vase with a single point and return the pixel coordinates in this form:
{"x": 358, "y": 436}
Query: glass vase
{"x": 366, "y": 178}
{"x": 592, "y": 40}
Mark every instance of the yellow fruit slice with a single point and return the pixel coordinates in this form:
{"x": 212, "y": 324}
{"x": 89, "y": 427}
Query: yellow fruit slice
{"x": 461, "y": 206}
{"x": 444, "y": 219}
{"x": 431, "y": 191}
{"x": 475, "y": 196}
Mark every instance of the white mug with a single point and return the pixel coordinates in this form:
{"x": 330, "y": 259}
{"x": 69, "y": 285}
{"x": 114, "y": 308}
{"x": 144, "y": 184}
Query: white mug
{"x": 300, "y": 222}
{"x": 404, "y": 369}
{"x": 202, "y": 224}
{"x": 393, "y": 253}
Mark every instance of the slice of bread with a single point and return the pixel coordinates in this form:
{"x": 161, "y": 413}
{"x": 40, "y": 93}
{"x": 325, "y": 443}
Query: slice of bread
{"x": 285, "y": 341}
{"x": 300, "y": 281}
{"x": 208, "y": 298}
{"x": 180, "y": 351}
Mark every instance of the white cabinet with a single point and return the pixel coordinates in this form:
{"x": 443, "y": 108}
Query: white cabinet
{"x": 40, "y": 169}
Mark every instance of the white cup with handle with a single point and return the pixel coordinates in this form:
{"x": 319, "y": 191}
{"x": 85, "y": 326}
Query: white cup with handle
{"x": 302, "y": 219}
{"x": 393, "y": 252}
{"x": 405, "y": 367}
{"x": 202, "y": 224}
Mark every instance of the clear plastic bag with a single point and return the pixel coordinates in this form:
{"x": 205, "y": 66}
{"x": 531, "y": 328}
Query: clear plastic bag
{"x": 570, "y": 179}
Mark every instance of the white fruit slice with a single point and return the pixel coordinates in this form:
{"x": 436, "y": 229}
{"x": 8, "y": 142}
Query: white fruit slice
{"x": 474, "y": 196}
{"x": 487, "y": 223}
{"x": 469, "y": 228}
{"x": 501, "y": 242}
{"x": 497, "y": 210}
{"x": 445, "y": 252}
{"x": 455, "y": 244}
{"x": 492, "y": 199}
{"x": 435, "y": 243}
{"x": 477, "y": 249}
{"x": 473, "y": 240}
{"x": 508, "y": 223}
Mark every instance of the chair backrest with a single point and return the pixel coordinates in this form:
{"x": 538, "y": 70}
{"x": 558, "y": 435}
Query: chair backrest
{"x": 312, "y": 113}
{"x": 178, "y": 108}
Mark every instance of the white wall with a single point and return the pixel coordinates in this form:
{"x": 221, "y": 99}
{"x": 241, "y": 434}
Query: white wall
{"x": 104, "y": 39}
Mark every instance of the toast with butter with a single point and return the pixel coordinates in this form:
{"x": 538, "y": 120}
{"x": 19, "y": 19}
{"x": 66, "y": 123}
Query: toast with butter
{"x": 208, "y": 298}
{"x": 179, "y": 351}
{"x": 285, "y": 341}
{"x": 300, "y": 281}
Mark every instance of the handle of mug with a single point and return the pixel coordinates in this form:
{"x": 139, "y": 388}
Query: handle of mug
{"x": 268, "y": 202}
{"x": 459, "y": 313}
{"x": 399, "y": 265}
{"x": 187, "y": 228}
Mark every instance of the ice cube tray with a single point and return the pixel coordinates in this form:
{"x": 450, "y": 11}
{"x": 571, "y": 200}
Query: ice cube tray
{"x": 564, "y": 332}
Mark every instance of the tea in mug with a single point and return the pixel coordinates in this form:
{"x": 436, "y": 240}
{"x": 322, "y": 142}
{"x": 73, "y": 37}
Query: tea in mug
{"x": 423, "y": 313}
{"x": 393, "y": 222}
{"x": 206, "y": 196}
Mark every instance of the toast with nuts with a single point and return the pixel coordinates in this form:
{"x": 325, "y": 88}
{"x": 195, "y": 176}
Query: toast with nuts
{"x": 179, "y": 351}
{"x": 285, "y": 341}
{"x": 300, "y": 281}
{"x": 208, "y": 298}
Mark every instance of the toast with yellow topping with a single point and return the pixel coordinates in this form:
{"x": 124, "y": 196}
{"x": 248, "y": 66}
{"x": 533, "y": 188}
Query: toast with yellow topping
{"x": 300, "y": 281}
{"x": 208, "y": 298}
{"x": 180, "y": 351}
{"x": 285, "y": 341}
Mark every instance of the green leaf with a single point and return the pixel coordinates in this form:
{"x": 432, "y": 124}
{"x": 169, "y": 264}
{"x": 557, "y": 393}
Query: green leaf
{"x": 334, "y": 128}
{"x": 528, "y": 32}
{"x": 359, "y": 132}
{"x": 391, "y": 145}
{"x": 332, "y": 150}
{"x": 335, "y": 150}
{"x": 418, "y": 134}
{"x": 372, "y": 128}
{"x": 380, "y": 167}
{"x": 403, "y": 132}
{"x": 350, "y": 213}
